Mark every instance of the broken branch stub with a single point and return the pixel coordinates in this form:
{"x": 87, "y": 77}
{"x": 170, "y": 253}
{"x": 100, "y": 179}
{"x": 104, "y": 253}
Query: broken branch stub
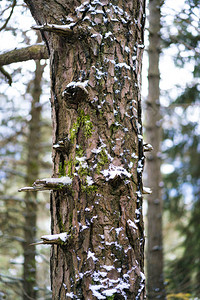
{"x": 75, "y": 92}
{"x": 48, "y": 184}
{"x": 54, "y": 28}
{"x": 63, "y": 239}
{"x": 146, "y": 190}
{"x": 147, "y": 147}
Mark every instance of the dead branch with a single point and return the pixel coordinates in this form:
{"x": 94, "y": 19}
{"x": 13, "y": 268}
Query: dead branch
{"x": 54, "y": 28}
{"x": 47, "y": 184}
{"x": 54, "y": 239}
{"x": 35, "y": 52}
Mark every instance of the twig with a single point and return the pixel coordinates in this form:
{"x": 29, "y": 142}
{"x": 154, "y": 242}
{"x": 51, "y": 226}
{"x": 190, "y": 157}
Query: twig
{"x": 7, "y": 20}
{"x": 6, "y": 74}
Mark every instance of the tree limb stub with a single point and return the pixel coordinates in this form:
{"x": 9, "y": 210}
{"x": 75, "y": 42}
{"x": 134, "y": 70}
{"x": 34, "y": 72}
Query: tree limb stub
{"x": 75, "y": 92}
{"x": 35, "y": 52}
{"x": 146, "y": 190}
{"x": 48, "y": 184}
{"x": 147, "y": 147}
{"x": 53, "y": 239}
{"x": 58, "y": 29}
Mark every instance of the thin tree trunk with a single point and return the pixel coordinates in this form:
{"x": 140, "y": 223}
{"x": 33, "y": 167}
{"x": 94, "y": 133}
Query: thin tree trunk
{"x": 30, "y": 214}
{"x": 95, "y": 97}
{"x": 155, "y": 281}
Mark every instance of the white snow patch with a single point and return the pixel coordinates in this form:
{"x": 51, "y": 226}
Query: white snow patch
{"x": 63, "y": 180}
{"x": 70, "y": 295}
{"x": 108, "y": 268}
{"x": 147, "y": 190}
{"x": 82, "y": 84}
{"x": 109, "y": 292}
{"x": 139, "y": 194}
{"x": 83, "y": 227}
{"x": 133, "y": 155}
{"x": 94, "y": 217}
{"x": 108, "y": 34}
{"x": 114, "y": 171}
{"x": 61, "y": 27}
{"x": 137, "y": 211}
{"x": 89, "y": 180}
{"x": 130, "y": 165}
{"x": 94, "y": 289}
{"x": 91, "y": 255}
{"x": 82, "y": 6}
{"x": 87, "y": 209}
{"x": 81, "y": 159}
{"x": 118, "y": 230}
{"x": 140, "y": 137}
{"x": 121, "y": 65}
{"x": 62, "y": 236}
{"x": 132, "y": 224}
{"x": 102, "y": 236}
{"x": 127, "y": 49}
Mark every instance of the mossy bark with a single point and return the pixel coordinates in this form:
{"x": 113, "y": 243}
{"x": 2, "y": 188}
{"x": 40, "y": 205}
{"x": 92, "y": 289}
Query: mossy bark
{"x": 100, "y": 129}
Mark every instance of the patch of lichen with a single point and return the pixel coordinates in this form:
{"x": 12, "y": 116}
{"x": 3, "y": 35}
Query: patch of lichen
{"x": 70, "y": 164}
{"x": 110, "y": 297}
{"x": 62, "y": 168}
{"x": 79, "y": 151}
{"x": 74, "y": 131}
{"x": 89, "y": 188}
{"x": 70, "y": 220}
{"x": 79, "y": 166}
{"x": 102, "y": 160}
{"x": 60, "y": 223}
{"x": 113, "y": 129}
{"x": 83, "y": 122}
{"x": 87, "y": 127}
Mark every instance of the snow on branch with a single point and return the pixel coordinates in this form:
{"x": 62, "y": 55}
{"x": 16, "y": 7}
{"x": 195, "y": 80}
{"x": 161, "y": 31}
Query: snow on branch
{"x": 147, "y": 147}
{"x": 58, "y": 29}
{"x": 146, "y": 190}
{"x": 58, "y": 239}
{"x": 47, "y": 184}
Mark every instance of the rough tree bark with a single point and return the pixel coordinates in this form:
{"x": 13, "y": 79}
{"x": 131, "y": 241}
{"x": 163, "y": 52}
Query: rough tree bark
{"x": 155, "y": 279}
{"x": 30, "y": 213}
{"x": 95, "y": 52}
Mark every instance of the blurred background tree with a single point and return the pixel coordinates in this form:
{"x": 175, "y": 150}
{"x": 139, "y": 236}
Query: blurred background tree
{"x": 153, "y": 130}
{"x": 181, "y": 147}
{"x": 24, "y": 118}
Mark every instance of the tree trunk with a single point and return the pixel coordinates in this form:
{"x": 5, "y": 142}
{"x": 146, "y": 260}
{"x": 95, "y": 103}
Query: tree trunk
{"x": 30, "y": 214}
{"x": 95, "y": 66}
{"x": 155, "y": 281}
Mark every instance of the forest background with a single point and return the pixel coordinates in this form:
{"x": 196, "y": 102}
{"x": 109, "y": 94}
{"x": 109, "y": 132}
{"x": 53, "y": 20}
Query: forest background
{"x": 179, "y": 69}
